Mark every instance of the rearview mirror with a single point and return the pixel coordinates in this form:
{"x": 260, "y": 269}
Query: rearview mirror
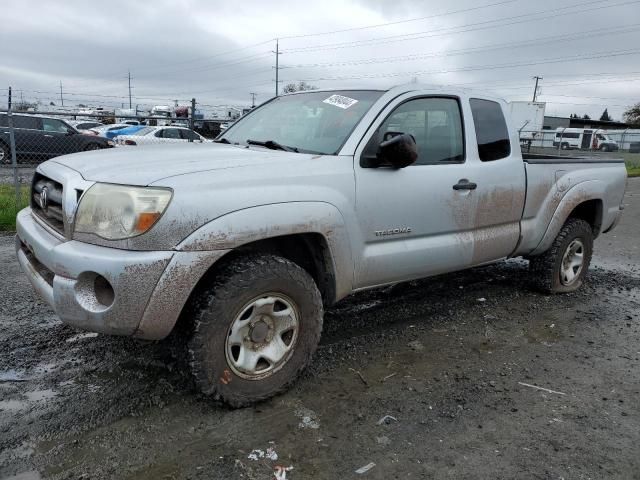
{"x": 398, "y": 149}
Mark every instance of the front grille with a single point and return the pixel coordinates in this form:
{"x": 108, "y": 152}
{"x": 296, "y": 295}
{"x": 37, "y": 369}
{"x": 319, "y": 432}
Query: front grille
{"x": 48, "y": 206}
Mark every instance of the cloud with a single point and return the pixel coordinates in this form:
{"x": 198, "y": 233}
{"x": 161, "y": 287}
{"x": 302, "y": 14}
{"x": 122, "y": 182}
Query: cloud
{"x": 220, "y": 52}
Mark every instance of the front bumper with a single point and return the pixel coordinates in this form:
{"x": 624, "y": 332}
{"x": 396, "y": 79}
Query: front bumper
{"x": 144, "y": 292}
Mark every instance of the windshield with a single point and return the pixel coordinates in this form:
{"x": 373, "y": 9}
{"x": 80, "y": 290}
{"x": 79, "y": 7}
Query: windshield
{"x": 311, "y": 122}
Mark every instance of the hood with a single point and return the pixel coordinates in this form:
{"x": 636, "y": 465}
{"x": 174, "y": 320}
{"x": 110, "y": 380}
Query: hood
{"x": 147, "y": 164}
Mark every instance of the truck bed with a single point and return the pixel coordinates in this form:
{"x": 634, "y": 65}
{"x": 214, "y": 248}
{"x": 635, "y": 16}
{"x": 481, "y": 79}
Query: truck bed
{"x": 546, "y": 158}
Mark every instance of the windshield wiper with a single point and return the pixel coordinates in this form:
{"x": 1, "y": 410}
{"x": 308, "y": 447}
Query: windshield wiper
{"x": 222, "y": 140}
{"x": 272, "y": 145}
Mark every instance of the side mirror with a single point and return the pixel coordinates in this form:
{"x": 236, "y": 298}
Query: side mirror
{"x": 398, "y": 149}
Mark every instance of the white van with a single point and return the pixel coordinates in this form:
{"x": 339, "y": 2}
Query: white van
{"x": 584, "y": 139}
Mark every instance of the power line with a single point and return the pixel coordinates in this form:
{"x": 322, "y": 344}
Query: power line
{"x": 495, "y": 46}
{"x": 428, "y": 17}
{"x": 480, "y": 67}
{"x": 523, "y": 18}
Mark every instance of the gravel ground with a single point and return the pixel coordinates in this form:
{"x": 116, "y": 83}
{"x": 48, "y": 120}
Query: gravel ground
{"x": 429, "y": 379}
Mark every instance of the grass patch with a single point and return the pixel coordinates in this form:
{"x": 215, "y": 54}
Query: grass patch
{"x": 633, "y": 171}
{"x": 9, "y": 208}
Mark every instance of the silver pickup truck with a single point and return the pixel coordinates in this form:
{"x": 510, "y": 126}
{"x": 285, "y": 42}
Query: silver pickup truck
{"x": 308, "y": 198}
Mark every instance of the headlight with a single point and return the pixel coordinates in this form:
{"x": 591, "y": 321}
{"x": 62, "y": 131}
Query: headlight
{"x": 115, "y": 212}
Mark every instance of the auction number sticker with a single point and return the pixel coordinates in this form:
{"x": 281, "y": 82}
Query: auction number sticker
{"x": 340, "y": 101}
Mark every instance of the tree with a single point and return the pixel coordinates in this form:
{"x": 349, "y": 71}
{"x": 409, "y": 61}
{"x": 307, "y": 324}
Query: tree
{"x": 632, "y": 116}
{"x": 605, "y": 116}
{"x": 52, "y": 104}
{"x": 586, "y": 117}
{"x": 24, "y": 106}
{"x": 299, "y": 87}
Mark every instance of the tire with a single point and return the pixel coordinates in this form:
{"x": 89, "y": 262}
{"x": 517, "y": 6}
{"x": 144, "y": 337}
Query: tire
{"x": 604, "y": 148}
{"x": 552, "y": 270}
{"x": 92, "y": 146}
{"x": 5, "y": 154}
{"x": 564, "y": 146}
{"x": 237, "y": 320}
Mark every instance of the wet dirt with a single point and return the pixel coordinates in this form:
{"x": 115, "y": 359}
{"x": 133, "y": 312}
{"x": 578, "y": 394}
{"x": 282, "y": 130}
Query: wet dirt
{"x": 468, "y": 375}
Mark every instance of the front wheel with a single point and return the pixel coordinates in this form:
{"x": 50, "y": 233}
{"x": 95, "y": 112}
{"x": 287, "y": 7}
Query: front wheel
{"x": 255, "y": 329}
{"x": 92, "y": 146}
{"x": 562, "y": 268}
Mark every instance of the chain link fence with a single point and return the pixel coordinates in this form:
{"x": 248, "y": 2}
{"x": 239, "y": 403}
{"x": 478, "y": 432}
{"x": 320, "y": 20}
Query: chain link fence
{"x": 30, "y": 138}
{"x": 586, "y": 142}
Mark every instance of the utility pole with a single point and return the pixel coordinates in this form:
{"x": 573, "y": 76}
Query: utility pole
{"x": 129, "y": 89}
{"x": 277, "y": 52}
{"x": 193, "y": 114}
{"x": 535, "y": 89}
{"x": 253, "y": 99}
{"x": 61, "y": 98}
{"x": 12, "y": 146}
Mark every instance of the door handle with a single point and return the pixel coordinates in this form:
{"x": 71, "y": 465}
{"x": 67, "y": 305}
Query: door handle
{"x": 464, "y": 184}
{"x": 48, "y": 136}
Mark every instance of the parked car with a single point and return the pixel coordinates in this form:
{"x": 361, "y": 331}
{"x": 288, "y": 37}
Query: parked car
{"x": 40, "y": 138}
{"x": 585, "y": 139}
{"x": 170, "y": 134}
{"x": 304, "y": 200}
{"x": 130, "y": 130}
{"x": 83, "y": 125}
{"x": 110, "y": 131}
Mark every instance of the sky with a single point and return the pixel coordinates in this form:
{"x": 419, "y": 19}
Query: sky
{"x": 587, "y": 52}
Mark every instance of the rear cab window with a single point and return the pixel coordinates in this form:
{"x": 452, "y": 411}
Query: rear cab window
{"x": 492, "y": 133}
{"x": 23, "y": 121}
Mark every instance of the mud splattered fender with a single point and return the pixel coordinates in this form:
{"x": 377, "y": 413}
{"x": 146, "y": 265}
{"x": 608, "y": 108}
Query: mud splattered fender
{"x": 580, "y": 193}
{"x": 172, "y": 292}
{"x": 268, "y": 221}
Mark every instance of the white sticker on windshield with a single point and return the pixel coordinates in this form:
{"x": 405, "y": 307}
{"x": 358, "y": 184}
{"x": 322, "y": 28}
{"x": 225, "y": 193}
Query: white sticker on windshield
{"x": 340, "y": 101}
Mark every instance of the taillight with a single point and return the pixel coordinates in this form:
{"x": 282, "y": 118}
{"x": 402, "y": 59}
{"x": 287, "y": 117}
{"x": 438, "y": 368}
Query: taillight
{"x": 130, "y": 142}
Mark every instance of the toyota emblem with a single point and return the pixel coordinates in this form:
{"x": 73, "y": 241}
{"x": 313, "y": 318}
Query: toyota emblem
{"x": 44, "y": 200}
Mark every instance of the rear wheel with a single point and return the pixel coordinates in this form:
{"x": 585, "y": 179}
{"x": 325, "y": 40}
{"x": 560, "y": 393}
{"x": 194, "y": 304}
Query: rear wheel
{"x": 92, "y": 146}
{"x": 255, "y": 329}
{"x": 562, "y": 268}
{"x": 564, "y": 146}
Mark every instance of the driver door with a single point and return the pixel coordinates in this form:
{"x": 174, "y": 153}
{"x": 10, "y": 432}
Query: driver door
{"x": 416, "y": 221}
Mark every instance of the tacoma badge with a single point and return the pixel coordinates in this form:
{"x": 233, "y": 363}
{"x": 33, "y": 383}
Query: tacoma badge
{"x": 392, "y": 231}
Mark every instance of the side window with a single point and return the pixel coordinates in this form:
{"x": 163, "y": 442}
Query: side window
{"x": 491, "y": 130}
{"x": 171, "y": 133}
{"x": 3, "y": 120}
{"x": 53, "y": 125}
{"x": 189, "y": 135}
{"x": 23, "y": 121}
{"x": 159, "y": 133}
{"x": 436, "y": 125}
